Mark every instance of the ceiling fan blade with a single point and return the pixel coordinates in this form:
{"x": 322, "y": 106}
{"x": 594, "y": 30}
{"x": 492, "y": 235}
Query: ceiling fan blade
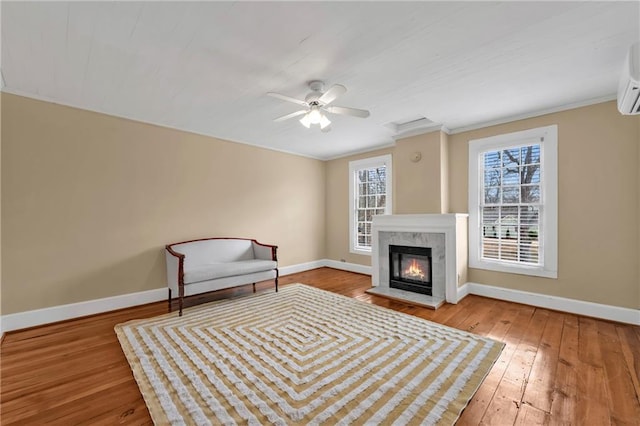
{"x": 326, "y": 129}
{"x": 287, "y": 98}
{"x": 332, "y": 94}
{"x": 288, "y": 116}
{"x": 354, "y": 112}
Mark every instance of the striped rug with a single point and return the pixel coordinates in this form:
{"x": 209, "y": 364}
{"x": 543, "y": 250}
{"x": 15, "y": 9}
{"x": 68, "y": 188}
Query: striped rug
{"x": 303, "y": 356}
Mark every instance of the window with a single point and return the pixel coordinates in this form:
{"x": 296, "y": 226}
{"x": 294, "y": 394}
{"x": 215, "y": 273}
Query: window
{"x": 513, "y": 225}
{"x": 369, "y": 195}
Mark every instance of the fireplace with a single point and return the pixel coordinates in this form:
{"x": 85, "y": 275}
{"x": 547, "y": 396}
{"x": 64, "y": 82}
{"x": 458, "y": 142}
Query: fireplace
{"x": 410, "y": 269}
{"x": 445, "y": 234}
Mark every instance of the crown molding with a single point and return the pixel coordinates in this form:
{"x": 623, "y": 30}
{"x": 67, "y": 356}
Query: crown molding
{"x": 537, "y": 113}
{"x": 361, "y": 151}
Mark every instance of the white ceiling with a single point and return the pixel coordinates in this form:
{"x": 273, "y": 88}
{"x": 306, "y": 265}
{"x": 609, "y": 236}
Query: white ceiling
{"x": 206, "y": 67}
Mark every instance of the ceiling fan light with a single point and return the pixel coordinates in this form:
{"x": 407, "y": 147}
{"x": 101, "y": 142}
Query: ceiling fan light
{"x": 306, "y": 121}
{"x": 324, "y": 121}
{"x": 315, "y": 115}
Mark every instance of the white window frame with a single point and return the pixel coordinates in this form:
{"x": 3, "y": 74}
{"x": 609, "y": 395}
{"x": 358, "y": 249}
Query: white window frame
{"x": 354, "y": 167}
{"x": 547, "y": 137}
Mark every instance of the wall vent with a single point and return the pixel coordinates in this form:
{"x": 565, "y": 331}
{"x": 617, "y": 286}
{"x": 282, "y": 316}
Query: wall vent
{"x": 412, "y": 126}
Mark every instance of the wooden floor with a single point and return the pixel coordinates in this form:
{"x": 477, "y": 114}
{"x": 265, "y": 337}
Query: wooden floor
{"x": 556, "y": 368}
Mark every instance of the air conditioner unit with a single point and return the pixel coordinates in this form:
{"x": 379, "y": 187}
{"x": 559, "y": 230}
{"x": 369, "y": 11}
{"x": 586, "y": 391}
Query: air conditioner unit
{"x": 629, "y": 87}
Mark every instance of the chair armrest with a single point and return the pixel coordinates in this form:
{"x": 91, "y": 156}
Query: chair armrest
{"x": 264, "y": 251}
{"x": 173, "y": 252}
{"x": 175, "y": 268}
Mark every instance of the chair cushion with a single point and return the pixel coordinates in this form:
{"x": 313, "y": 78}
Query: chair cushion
{"x": 212, "y": 271}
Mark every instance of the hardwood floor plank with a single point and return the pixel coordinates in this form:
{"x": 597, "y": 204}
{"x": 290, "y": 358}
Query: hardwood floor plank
{"x": 475, "y": 317}
{"x": 592, "y": 394}
{"x": 530, "y": 416}
{"x": 509, "y": 329}
{"x": 50, "y": 400}
{"x": 539, "y": 390}
{"x": 53, "y": 374}
{"x": 630, "y": 344}
{"x": 564, "y": 406}
{"x": 487, "y": 324}
{"x": 592, "y": 388}
{"x": 114, "y": 405}
{"x": 507, "y": 399}
{"x": 622, "y": 396}
{"x": 580, "y": 370}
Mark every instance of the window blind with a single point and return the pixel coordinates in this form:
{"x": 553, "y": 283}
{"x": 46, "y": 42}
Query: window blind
{"x": 511, "y": 204}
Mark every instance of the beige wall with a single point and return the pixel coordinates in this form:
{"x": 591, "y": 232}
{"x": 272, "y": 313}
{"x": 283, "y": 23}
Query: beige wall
{"x": 444, "y": 172}
{"x": 598, "y": 191}
{"x": 598, "y": 212}
{"x": 418, "y": 184}
{"x": 90, "y": 200}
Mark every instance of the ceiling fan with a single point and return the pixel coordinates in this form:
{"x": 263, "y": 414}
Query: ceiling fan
{"x": 316, "y": 103}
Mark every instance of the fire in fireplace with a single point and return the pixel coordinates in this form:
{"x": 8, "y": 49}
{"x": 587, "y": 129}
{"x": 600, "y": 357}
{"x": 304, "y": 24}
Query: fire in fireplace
{"x": 410, "y": 269}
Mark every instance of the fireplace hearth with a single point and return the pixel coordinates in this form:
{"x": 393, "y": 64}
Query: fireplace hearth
{"x": 410, "y": 269}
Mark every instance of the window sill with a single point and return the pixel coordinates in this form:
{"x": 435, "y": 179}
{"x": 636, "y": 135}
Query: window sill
{"x": 535, "y": 271}
{"x": 363, "y": 252}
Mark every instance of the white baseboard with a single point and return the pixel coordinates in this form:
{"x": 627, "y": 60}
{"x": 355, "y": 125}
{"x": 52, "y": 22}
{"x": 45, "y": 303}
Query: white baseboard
{"x": 74, "y": 310}
{"x": 580, "y": 307}
{"x": 346, "y": 266}
{"x": 301, "y": 267}
{"x": 463, "y": 291}
{"x": 37, "y": 317}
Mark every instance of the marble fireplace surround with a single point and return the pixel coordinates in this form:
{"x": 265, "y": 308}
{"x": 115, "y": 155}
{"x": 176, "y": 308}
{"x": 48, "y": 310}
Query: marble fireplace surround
{"x": 435, "y": 241}
{"x": 446, "y": 234}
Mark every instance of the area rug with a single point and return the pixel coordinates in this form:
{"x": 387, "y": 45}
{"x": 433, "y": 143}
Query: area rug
{"x": 303, "y": 356}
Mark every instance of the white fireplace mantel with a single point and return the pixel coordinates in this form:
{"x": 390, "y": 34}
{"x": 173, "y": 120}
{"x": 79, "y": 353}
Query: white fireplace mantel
{"x": 453, "y": 226}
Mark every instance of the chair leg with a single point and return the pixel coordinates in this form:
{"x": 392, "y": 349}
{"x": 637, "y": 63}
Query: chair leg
{"x": 277, "y": 274}
{"x": 254, "y": 287}
{"x": 169, "y": 300}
